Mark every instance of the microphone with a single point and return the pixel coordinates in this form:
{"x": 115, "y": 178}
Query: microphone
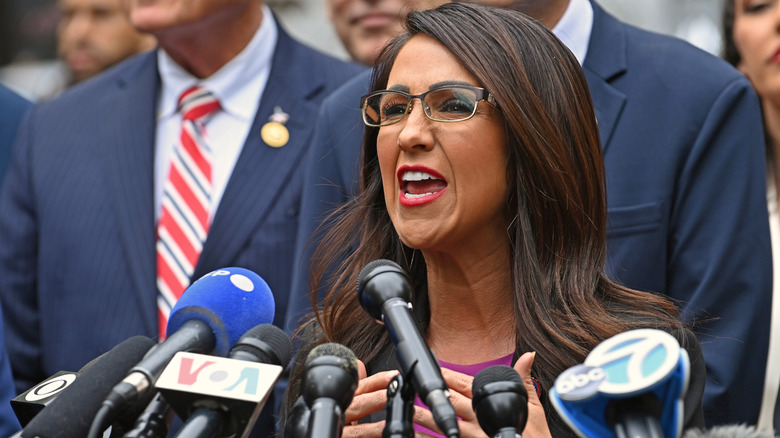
{"x": 264, "y": 343}
{"x": 227, "y": 403}
{"x": 152, "y": 422}
{"x": 329, "y": 381}
{"x": 209, "y": 317}
{"x": 399, "y": 409}
{"x": 297, "y": 423}
{"x": 632, "y": 384}
{"x": 500, "y": 401}
{"x": 385, "y": 292}
{"x": 31, "y": 402}
{"x": 70, "y": 414}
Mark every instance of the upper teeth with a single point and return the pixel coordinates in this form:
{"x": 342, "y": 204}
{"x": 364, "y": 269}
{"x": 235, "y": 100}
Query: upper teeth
{"x": 416, "y": 176}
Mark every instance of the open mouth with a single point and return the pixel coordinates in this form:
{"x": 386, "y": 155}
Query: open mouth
{"x": 417, "y": 184}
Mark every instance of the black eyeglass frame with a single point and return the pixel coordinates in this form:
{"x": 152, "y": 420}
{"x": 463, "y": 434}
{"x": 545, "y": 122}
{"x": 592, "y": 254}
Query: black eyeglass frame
{"x": 481, "y": 93}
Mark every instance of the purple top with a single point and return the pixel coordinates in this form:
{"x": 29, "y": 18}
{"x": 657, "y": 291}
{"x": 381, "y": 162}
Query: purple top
{"x": 471, "y": 370}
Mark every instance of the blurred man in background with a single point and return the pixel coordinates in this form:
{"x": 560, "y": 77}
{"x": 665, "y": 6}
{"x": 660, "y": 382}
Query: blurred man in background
{"x": 93, "y": 35}
{"x": 364, "y": 26}
{"x": 130, "y": 185}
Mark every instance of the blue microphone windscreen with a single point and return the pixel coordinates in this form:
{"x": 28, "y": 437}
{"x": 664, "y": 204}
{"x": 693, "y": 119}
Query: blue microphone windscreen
{"x": 230, "y": 300}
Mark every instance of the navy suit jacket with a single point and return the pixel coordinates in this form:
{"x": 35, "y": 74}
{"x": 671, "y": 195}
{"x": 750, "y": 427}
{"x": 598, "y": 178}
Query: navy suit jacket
{"x": 77, "y": 259}
{"x": 684, "y": 154}
{"x": 12, "y": 108}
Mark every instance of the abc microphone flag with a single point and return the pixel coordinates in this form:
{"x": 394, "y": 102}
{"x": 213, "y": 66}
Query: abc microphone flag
{"x": 633, "y": 382}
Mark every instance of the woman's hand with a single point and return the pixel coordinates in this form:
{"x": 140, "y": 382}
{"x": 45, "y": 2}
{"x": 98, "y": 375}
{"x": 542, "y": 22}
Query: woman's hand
{"x": 461, "y": 397}
{"x": 537, "y": 421}
{"x": 370, "y": 397}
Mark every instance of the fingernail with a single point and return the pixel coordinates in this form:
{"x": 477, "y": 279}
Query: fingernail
{"x": 537, "y": 386}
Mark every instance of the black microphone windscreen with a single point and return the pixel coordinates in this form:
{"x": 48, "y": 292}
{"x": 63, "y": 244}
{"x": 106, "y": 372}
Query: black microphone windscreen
{"x": 264, "y": 343}
{"x": 499, "y": 399}
{"x": 338, "y": 350}
{"x": 71, "y": 413}
{"x": 370, "y": 267}
{"x": 379, "y": 282}
{"x": 495, "y": 374}
{"x": 330, "y": 371}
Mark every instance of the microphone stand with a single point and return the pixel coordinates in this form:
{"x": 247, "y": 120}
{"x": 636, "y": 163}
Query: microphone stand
{"x": 399, "y": 408}
{"x": 204, "y": 423}
{"x": 152, "y": 423}
{"x": 631, "y": 419}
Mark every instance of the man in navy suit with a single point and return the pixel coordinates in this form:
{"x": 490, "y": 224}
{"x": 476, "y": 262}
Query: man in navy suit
{"x": 83, "y": 195}
{"x": 12, "y": 108}
{"x": 684, "y": 155}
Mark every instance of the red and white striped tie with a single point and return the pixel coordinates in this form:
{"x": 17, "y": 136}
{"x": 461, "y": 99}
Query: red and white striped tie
{"x": 184, "y": 219}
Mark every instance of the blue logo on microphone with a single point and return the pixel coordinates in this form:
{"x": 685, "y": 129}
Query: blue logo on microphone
{"x": 635, "y": 363}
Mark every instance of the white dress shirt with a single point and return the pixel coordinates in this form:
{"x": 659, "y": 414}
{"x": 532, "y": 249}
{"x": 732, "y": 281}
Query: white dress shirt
{"x": 772, "y": 382}
{"x": 573, "y": 29}
{"x": 238, "y": 86}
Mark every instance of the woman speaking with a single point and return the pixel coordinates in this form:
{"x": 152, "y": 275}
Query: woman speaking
{"x": 482, "y": 177}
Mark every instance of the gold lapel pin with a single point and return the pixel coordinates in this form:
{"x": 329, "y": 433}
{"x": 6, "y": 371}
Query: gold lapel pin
{"x": 274, "y": 133}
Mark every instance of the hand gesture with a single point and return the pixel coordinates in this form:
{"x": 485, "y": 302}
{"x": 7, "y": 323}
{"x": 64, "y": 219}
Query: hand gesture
{"x": 461, "y": 398}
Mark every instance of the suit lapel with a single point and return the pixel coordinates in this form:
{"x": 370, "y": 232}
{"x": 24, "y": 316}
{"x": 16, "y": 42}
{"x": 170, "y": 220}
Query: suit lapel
{"x": 131, "y": 110}
{"x": 605, "y": 62}
{"x": 262, "y": 172}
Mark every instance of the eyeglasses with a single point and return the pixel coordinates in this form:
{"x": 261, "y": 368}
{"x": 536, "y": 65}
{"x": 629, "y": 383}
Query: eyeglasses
{"x": 446, "y": 104}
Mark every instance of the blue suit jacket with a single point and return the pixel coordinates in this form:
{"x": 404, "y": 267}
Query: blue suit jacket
{"x": 77, "y": 260}
{"x": 12, "y": 108}
{"x": 684, "y": 154}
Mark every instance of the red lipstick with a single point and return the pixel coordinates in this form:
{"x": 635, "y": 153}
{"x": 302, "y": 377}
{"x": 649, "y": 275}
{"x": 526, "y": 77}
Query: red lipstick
{"x": 419, "y": 185}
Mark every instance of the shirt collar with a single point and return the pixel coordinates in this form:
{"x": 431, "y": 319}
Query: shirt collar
{"x": 573, "y": 29}
{"x": 228, "y": 82}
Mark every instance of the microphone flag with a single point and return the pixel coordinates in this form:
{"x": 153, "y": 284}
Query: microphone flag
{"x": 643, "y": 364}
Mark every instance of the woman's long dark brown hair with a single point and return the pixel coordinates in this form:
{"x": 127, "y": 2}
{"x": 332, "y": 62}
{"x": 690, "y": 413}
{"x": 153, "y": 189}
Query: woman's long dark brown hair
{"x": 564, "y": 304}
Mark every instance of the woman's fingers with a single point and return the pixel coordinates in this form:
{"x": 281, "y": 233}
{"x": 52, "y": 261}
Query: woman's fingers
{"x": 367, "y": 430}
{"x": 362, "y": 374}
{"x": 523, "y": 368}
{"x": 370, "y": 396}
{"x": 376, "y": 382}
{"x": 458, "y": 381}
{"x": 537, "y": 421}
{"x": 468, "y": 429}
{"x": 460, "y": 397}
